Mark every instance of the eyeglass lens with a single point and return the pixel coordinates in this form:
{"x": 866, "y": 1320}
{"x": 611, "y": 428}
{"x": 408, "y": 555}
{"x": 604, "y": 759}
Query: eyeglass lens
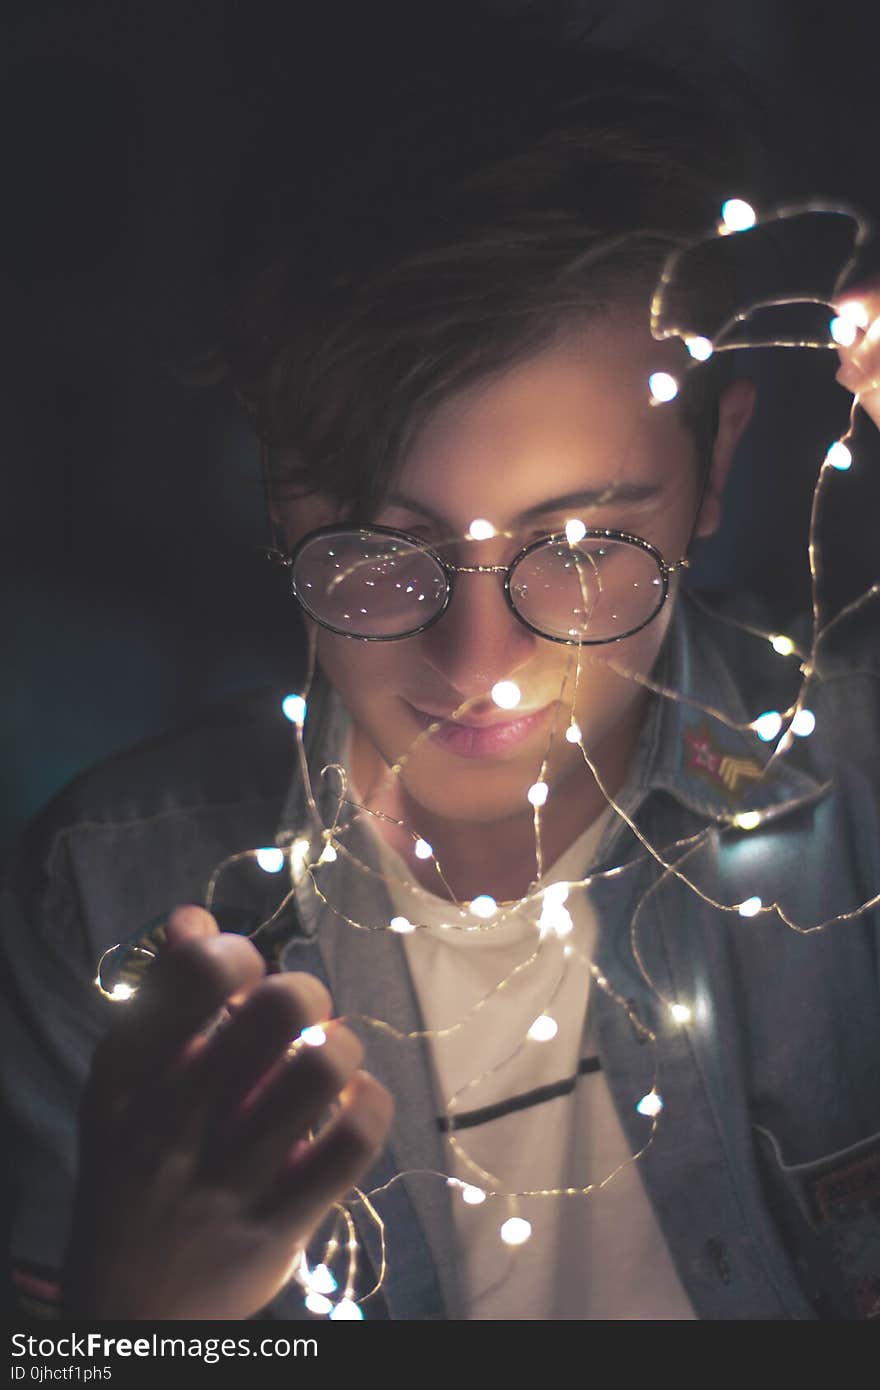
{"x": 369, "y": 584}
{"x": 593, "y": 591}
{"x": 372, "y": 585}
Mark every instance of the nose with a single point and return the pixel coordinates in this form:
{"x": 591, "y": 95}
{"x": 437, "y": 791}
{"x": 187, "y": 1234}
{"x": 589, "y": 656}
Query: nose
{"x": 479, "y": 640}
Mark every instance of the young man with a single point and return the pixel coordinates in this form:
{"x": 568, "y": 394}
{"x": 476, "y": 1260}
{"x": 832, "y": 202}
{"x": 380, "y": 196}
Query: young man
{"x": 472, "y": 381}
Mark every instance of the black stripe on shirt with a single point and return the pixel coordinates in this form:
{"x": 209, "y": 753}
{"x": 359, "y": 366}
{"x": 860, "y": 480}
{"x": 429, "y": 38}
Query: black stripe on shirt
{"x": 469, "y": 1118}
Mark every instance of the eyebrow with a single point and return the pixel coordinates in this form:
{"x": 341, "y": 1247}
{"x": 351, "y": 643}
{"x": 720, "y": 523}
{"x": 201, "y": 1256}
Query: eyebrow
{"x": 569, "y": 501}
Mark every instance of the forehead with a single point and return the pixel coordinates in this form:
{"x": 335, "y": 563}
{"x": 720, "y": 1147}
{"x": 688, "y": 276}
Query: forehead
{"x": 575, "y": 417}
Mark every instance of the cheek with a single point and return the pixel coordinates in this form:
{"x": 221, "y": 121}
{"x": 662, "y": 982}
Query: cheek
{"x": 610, "y": 679}
{"x": 363, "y": 673}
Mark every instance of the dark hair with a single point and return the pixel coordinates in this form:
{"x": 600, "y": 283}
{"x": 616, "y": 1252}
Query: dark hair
{"x": 519, "y": 188}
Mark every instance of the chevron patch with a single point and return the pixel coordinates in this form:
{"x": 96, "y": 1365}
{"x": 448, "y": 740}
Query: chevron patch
{"x": 704, "y": 759}
{"x": 733, "y": 770}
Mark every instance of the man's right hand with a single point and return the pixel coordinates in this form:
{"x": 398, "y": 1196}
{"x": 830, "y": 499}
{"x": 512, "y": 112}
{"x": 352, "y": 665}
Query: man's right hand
{"x": 199, "y": 1183}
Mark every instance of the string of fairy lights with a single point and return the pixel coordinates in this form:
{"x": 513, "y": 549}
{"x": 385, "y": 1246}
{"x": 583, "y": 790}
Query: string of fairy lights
{"x": 329, "y": 1284}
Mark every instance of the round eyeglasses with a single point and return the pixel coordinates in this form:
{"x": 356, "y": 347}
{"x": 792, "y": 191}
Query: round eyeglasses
{"x": 378, "y": 584}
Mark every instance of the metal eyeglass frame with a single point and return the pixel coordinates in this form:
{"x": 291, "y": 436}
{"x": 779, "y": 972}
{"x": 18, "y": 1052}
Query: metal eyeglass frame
{"x": 450, "y": 570}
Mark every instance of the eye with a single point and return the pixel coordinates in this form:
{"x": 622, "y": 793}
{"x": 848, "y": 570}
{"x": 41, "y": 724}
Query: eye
{"x": 421, "y": 530}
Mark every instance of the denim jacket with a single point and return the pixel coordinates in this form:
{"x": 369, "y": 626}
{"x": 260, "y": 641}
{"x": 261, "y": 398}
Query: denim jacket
{"x": 765, "y": 1170}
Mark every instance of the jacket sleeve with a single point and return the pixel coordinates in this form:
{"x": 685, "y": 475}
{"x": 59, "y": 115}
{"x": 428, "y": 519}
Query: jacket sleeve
{"x": 51, "y": 1017}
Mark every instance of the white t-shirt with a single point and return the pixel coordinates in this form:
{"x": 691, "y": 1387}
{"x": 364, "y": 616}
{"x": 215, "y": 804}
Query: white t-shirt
{"x": 600, "y": 1256}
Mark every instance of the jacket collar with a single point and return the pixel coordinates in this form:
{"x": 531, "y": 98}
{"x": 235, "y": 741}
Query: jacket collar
{"x": 701, "y": 750}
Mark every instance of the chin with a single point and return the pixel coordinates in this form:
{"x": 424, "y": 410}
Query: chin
{"x": 484, "y": 806}
{"x": 479, "y": 791}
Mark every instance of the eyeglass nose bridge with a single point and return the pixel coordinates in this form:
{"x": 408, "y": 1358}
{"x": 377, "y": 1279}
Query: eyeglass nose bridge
{"x": 478, "y": 569}
{"x": 682, "y": 564}
{"x": 505, "y": 570}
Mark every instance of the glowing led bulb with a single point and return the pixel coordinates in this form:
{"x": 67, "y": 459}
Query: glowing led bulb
{"x": 321, "y": 1280}
{"x": 270, "y": 860}
{"x": 574, "y": 531}
{"x": 484, "y": 905}
{"x": 506, "y": 694}
{"x": 573, "y": 734}
{"x": 803, "y": 723}
{"x": 314, "y": 1036}
{"x": 680, "y": 1012}
{"x": 663, "y": 387}
{"x": 543, "y": 1029}
{"x": 651, "y": 1104}
{"x": 481, "y": 530}
{"x": 750, "y": 908}
{"x": 768, "y": 725}
{"x": 699, "y": 348}
{"x": 737, "y": 215}
{"x": 555, "y": 919}
{"x": 782, "y": 644}
{"x": 839, "y": 456}
{"x": 747, "y": 820}
{"x": 516, "y": 1230}
{"x": 556, "y": 893}
{"x": 346, "y": 1311}
{"x": 854, "y": 312}
{"x": 299, "y": 854}
{"x": 294, "y": 708}
{"x": 422, "y": 849}
{"x": 474, "y": 1196}
{"x": 843, "y": 331}
{"x": 318, "y": 1303}
{"x": 401, "y": 924}
{"x": 121, "y": 992}
{"x": 538, "y": 793}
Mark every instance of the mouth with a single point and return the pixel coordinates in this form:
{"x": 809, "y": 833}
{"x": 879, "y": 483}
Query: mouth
{"x": 481, "y": 740}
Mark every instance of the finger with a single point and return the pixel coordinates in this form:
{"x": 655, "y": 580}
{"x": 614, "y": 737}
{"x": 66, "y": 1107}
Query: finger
{"x": 180, "y": 995}
{"x": 294, "y": 1099}
{"x": 860, "y": 361}
{"x": 865, "y": 352}
{"x": 188, "y": 922}
{"x": 860, "y": 371}
{"x": 199, "y": 1103}
{"x": 865, "y": 294}
{"x": 320, "y": 1173}
{"x": 238, "y": 1056}
{"x": 859, "y": 308}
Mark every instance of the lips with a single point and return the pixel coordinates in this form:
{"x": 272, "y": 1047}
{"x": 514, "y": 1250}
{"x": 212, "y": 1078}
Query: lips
{"x": 483, "y": 739}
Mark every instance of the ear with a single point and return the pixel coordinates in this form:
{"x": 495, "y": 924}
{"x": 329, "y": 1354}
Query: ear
{"x": 735, "y": 406}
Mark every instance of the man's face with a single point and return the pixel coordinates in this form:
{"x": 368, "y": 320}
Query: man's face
{"x": 525, "y": 450}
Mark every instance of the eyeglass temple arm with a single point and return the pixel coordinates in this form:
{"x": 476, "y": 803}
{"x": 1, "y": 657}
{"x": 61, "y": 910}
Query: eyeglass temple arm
{"x": 274, "y": 548}
{"x": 684, "y": 563}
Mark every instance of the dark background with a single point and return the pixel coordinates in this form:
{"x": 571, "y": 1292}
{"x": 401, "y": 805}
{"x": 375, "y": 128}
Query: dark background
{"x": 133, "y": 593}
